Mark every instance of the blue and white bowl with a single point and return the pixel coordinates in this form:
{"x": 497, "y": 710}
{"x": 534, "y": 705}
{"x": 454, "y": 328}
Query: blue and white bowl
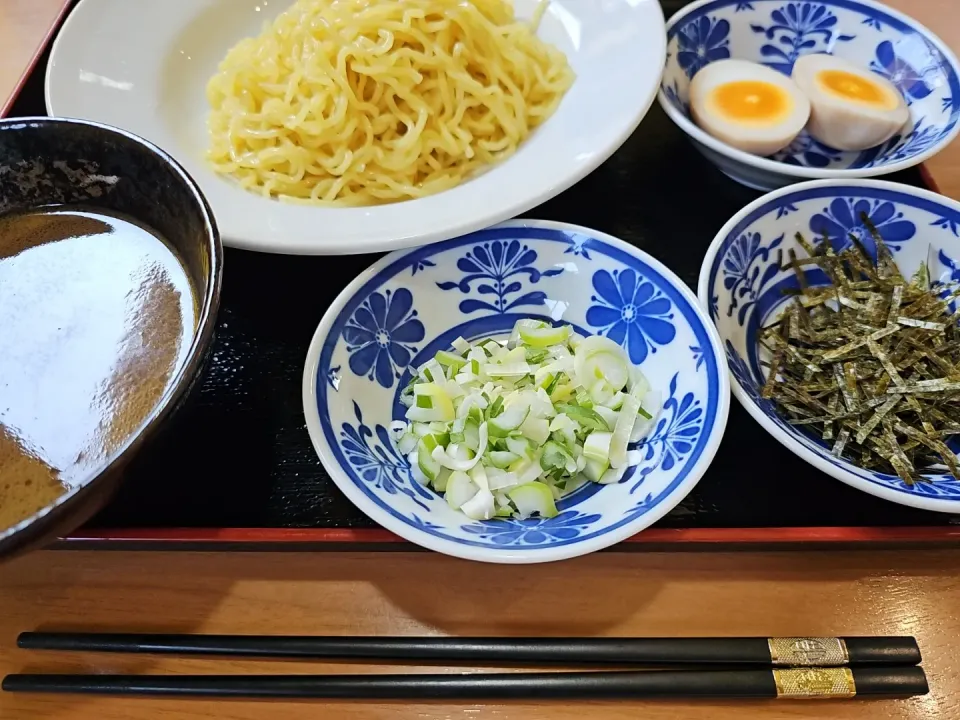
{"x": 776, "y": 33}
{"x": 742, "y": 284}
{"x": 410, "y": 304}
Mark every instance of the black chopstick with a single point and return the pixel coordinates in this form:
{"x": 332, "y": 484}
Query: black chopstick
{"x": 763, "y": 683}
{"x": 815, "y": 652}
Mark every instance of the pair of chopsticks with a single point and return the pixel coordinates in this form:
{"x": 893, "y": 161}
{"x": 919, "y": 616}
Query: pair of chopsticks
{"x": 762, "y": 667}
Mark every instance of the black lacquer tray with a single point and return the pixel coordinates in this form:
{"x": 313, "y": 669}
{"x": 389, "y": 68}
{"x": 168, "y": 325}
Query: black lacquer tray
{"x": 236, "y": 468}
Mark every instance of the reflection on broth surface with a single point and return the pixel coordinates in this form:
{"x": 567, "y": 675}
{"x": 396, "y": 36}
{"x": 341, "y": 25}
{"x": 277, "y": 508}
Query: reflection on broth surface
{"x": 27, "y": 483}
{"x": 96, "y": 316}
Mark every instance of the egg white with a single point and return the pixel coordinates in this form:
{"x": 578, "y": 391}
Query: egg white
{"x": 842, "y": 122}
{"x": 762, "y": 136}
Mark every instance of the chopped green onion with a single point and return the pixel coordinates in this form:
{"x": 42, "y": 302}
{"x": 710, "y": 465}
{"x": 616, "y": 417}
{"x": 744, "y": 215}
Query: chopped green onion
{"x": 544, "y": 336}
{"x": 536, "y": 429}
{"x": 535, "y": 356}
{"x": 440, "y": 481}
{"x": 554, "y": 456}
{"x": 502, "y": 458}
{"x": 621, "y": 433}
{"x": 521, "y": 447}
{"x": 505, "y": 429}
{"x": 553, "y": 383}
{"x": 450, "y": 360}
{"x": 433, "y": 441}
{"x": 562, "y": 393}
{"x": 596, "y": 446}
{"x": 583, "y": 398}
{"x": 471, "y": 434}
{"x": 428, "y": 466}
{"x": 507, "y": 421}
{"x": 594, "y": 469}
{"x": 599, "y": 358}
{"x": 482, "y": 506}
{"x": 534, "y": 498}
{"x": 587, "y": 417}
{"x": 460, "y": 489}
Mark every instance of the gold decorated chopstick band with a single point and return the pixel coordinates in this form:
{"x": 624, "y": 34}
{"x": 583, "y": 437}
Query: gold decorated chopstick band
{"x": 814, "y": 683}
{"x": 808, "y": 652}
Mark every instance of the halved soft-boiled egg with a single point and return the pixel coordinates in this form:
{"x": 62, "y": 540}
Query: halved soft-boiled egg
{"x": 850, "y": 108}
{"x": 749, "y": 106}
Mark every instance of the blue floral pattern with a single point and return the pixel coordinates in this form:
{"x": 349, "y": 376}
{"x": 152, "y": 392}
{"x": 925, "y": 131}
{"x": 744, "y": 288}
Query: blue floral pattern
{"x": 785, "y": 209}
{"x": 807, "y": 152}
{"x": 579, "y": 245}
{"x": 698, "y": 357}
{"x": 743, "y": 375}
{"x": 641, "y": 507}
{"x": 499, "y": 269}
{"x": 741, "y": 372}
{"x": 796, "y": 29}
{"x": 947, "y": 223}
{"x": 842, "y": 218}
{"x": 952, "y": 266}
{"x": 701, "y": 42}
{"x": 632, "y": 312}
{"x": 674, "y": 435}
{"x": 672, "y": 91}
{"x": 381, "y": 335}
{"x": 426, "y": 525}
{"x": 917, "y": 140}
{"x": 742, "y": 271}
{"x": 945, "y": 274}
{"x": 333, "y": 377}
{"x": 421, "y": 264}
{"x": 568, "y": 525}
{"x": 898, "y": 71}
{"x": 379, "y": 464}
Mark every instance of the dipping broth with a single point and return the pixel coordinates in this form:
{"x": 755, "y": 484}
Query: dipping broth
{"x": 97, "y": 315}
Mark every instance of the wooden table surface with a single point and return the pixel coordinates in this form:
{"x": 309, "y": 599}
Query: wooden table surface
{"x": 788, "y": 593}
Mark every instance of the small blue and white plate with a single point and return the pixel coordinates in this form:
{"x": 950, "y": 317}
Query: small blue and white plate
{"x": 776, "y": 33}
{"x": 742, "y": 284}
{"x": 410, "y": 304}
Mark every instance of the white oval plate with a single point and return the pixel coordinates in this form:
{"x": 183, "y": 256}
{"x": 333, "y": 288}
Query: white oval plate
{"x": 144, "y": 66}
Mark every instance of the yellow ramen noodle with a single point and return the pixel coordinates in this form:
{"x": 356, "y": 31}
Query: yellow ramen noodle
{"x": 359, "y": 102}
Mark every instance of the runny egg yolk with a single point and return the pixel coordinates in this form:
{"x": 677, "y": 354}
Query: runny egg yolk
{"x": 752, "y": 101}
{"x": 853, "y": 87}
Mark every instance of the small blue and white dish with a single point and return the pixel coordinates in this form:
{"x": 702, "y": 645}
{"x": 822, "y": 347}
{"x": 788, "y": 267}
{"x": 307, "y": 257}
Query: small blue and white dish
{"x": 410, "y": 304}
{"x": 742, "y": 286}
{"x": 775, "y": 33}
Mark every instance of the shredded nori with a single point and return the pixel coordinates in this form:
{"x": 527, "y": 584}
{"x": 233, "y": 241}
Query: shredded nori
{"x": 870, "y": 361}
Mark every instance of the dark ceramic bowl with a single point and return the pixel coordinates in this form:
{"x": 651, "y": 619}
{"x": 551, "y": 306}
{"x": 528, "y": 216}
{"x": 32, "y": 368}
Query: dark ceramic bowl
{"x": 46, "y": 161}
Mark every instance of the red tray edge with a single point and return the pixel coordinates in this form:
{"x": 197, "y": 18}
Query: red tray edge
{"x": 61, "y": 15}
{"x": 220, "y": 537}
{"x": 272, "y": 537}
